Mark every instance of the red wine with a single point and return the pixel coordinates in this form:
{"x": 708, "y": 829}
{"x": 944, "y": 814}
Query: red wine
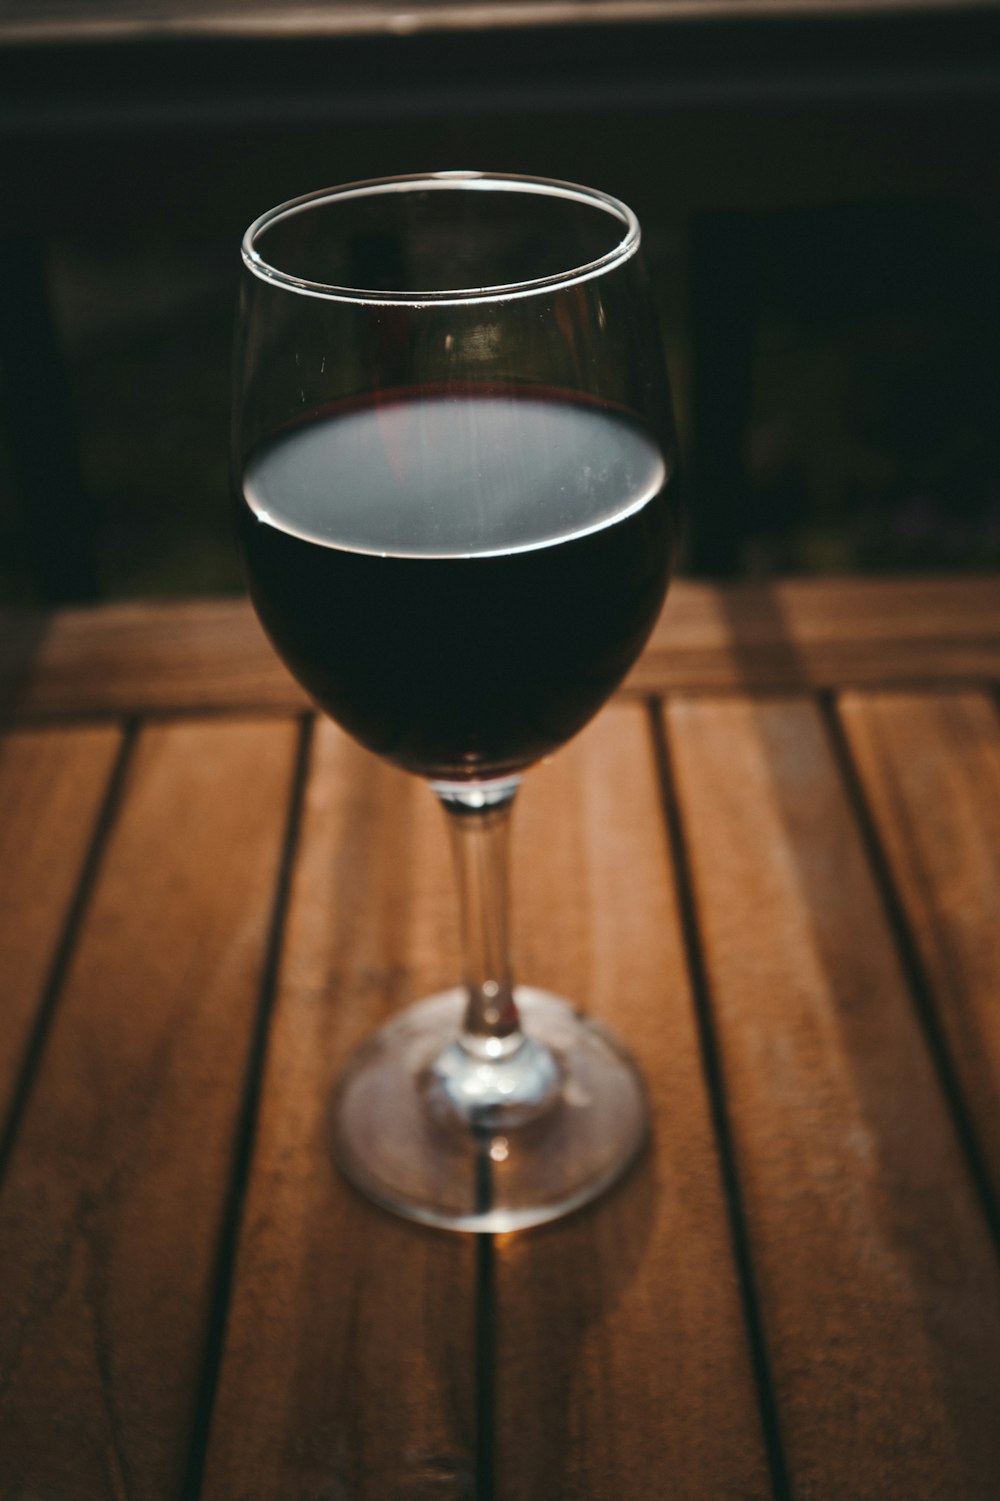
{"x": 460, "y": 580}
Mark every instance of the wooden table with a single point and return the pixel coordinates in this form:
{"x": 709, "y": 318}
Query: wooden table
{"x": 772, "y": 864}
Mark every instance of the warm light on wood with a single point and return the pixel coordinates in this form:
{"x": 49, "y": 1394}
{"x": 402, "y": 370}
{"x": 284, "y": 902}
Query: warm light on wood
{"x": 771, "y": 865}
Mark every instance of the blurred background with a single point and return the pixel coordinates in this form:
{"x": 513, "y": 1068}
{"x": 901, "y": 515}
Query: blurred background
{"x": 820, "y": 201}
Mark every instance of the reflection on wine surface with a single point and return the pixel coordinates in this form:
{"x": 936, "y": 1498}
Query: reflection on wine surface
{"x": 461, "y": 578}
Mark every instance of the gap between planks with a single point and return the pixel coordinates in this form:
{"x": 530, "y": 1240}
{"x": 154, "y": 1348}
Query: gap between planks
{"x": 715, "y": 1086}
{"x": 222, "y": 1278}
{"x": 923, "y": 774}
{"x": 38, "y": 1029}
{"x": 111, "y": 1206}
{"x": 879, "y": 1287}
{"x": 623, "y": 1361}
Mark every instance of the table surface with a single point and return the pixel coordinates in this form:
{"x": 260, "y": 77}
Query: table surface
{"x": 772, "y": 864}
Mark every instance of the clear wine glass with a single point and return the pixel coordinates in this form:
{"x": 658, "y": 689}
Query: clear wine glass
{"x": 453, "y": 449}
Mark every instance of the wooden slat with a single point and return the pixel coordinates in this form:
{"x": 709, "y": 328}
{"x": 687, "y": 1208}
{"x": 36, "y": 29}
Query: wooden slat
{"x": 824, "y": 633}
{"x": 348, "y": 1367}
{"x": 931, "y": 771}
{"x": 154, "y": 19}
{"x": 51, "y": 786}
{"x": 623, "y": 1363}
{"x": 140, "y": 658}
{"x": 192, "y": 655}
{"x": 110, "y": 1213}
{"x": 878, "y": 1283}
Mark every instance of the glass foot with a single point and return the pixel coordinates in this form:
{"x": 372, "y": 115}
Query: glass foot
{"x": 414, "y": 1132}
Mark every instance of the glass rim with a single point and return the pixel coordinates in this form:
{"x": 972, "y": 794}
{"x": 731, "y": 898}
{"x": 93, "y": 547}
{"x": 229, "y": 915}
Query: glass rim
{"x": 510, "y": 182}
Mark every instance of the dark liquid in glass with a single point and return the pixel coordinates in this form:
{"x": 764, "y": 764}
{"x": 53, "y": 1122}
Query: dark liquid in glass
{"x": 459, "y": 578}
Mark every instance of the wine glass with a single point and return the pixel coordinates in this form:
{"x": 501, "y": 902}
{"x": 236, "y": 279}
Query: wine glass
{"x": 453, "y": 449}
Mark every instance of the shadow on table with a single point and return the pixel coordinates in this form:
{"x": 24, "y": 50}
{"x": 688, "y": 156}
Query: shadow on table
{"x": 549, "y": 1290}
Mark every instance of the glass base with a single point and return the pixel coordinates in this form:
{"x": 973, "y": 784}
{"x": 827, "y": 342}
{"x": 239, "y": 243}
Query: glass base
{"x": 552, "y": 1127}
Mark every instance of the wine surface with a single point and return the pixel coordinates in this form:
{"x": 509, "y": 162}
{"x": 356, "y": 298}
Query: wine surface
{"x": 459, "y": 579}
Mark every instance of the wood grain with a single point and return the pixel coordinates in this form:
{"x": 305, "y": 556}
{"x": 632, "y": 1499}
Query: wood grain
{"x": 878, "y": 1283}
{"x": 51, "y": 788}
{"x": 623, "y": 1363}
{"x": 211, "y": 655}
{"x": 111, "y": 1210}
{"x": 348, "y": 1366}
{"x": 136, "y": 658}
{"x": 823, "y": 633}
{"x": 931, "y": 770}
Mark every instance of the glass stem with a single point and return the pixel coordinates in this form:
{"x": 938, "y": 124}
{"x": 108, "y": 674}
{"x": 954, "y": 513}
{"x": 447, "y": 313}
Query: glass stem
{"x": 479, "y": 822}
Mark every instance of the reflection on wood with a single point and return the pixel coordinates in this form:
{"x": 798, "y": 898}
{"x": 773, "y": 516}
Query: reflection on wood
{"x": 111, "y": 20}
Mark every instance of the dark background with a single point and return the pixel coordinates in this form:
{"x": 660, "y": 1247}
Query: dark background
{"x": 821, "y": 212}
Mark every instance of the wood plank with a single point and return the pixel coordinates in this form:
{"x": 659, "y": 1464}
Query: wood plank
{"x": 142, "y": 657}
{"x": 52, "y": 783}
{"x": 211, "y": 654}
{"x": 186, "y": 19}
{"x": 111, "y": 1209}
{"x": 623, "y": 1362}
{"x": 822, "y": 633}
{"x": 348, "y": 1362}
{"x": 931, "y": 771}
{"x": 879, "y": 1287}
